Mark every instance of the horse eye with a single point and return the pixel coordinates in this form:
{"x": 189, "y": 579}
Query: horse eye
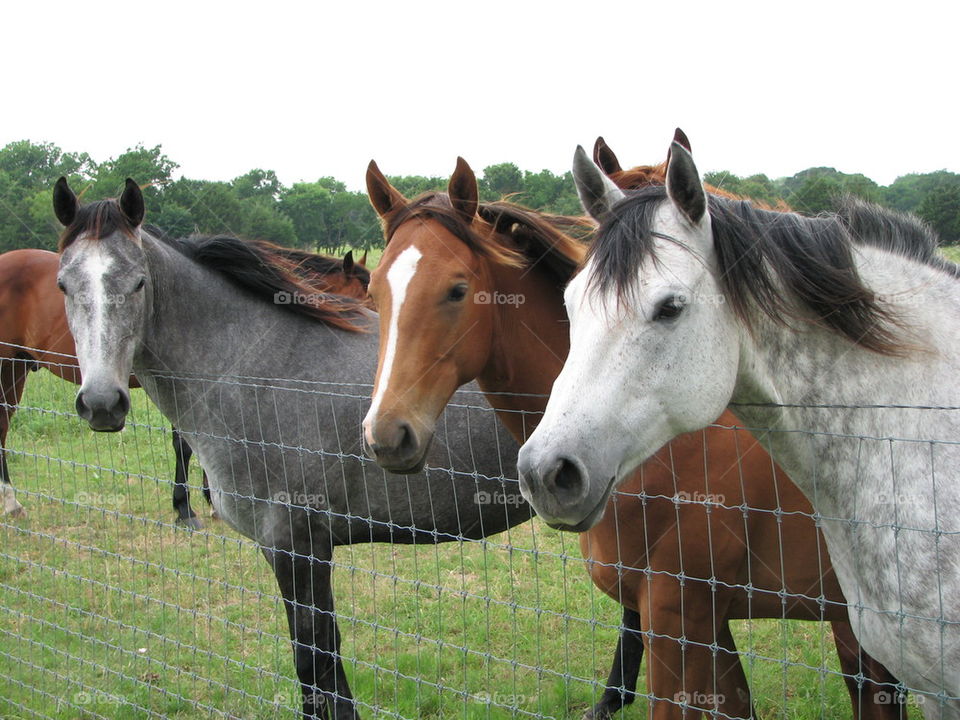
{"x": 458, "y": 292}
{"x": 63, "y": 288}
{"x": 670, "y": 309}
{"x": 140, "y": 284}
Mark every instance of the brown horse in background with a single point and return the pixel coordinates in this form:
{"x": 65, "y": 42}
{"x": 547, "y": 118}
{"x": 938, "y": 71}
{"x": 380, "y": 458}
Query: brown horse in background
{"x": 469, "y": 290}
{"x": 34, "y": 334}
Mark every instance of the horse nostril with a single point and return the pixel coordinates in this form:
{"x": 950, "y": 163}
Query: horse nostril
{"x": 568, "y": 476}
{"x": 564, "y": 477}
{"x": 408, "y": 441}
{"x": 123, "y": 404}
{"x": 81, "y": 405}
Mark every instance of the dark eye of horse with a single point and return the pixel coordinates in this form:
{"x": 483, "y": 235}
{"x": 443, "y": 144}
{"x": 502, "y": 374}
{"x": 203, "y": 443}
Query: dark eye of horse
{"x": 670, "y": 309}
{"x": 458, "y": 292}
{"x": 63, "y": 288}
{"x": 140, "y": 285}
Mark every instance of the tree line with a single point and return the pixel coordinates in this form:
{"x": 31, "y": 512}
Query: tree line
{"x": 325, "y": 216}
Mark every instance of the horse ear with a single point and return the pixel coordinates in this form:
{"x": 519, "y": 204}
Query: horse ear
{"x": 131, "y": 203}
{"x": 683, "y": 184}
{"x": 383, "y": 196}
{"x": 679, "y": 136}
{"x": 597, "y": 192}
{"x": 65, "y": 204}
{"x": 463, "y": 191}
{"x": 604, "y": 157}
{"x": 363, "y": 259}
{"x": 348, "y": 263}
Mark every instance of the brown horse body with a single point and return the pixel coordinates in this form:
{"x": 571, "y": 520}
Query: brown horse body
{"x": 676, "y": 546}
{"x": 34, "y": 334}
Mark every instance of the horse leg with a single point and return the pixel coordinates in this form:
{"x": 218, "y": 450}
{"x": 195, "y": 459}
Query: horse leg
{"x": 685, "y": 679}
{"x": 877, "y": 697}
{"x": 308, "y": 598}
{"x": 622, "y": 682}
{"x": 733, "y": 691}
{"x": 13, "y": 376}
{"x": 206, "y": 494}
{"x": 181, "y": 493}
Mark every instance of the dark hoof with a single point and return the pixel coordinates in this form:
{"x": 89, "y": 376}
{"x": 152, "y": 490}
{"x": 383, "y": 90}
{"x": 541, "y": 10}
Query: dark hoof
{"x": 190, "y": 523}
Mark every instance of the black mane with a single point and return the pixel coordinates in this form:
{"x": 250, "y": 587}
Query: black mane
{"x": 783, "y": 264}
{"x": 258, "y": 266}
{"x": 97, "y": 219}
{"x": 267, "y": 270}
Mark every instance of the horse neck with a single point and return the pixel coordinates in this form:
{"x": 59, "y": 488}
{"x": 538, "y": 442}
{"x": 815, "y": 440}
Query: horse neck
{"x": 808, "y": 366}
{"x": 186, "y": 311}
{"x": 529, "y": 344}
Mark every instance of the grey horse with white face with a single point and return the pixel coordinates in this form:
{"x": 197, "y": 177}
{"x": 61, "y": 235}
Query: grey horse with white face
{"x": 198, "y": 322}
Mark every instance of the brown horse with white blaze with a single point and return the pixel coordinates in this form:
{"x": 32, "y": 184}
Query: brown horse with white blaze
{"x": 475, "y": 290}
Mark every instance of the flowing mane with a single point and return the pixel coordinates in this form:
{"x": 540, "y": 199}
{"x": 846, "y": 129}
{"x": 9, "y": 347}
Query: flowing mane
{"x": 258, "y": 266}
{"x": 783, "y": 264}
{"x": 519, "y": 237}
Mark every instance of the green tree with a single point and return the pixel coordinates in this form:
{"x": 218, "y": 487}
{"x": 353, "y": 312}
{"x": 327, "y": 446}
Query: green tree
{"x": 258, "y": 183}
{"x": 499, "y": 181}
{"x": 413, "y": 185}
{"x": 213, "y": 206}
{"x": 148, "y": 167}
{"x": 27, "y": 174}
{"x": 941, "y": 209}
{"x": 327, "y": 217}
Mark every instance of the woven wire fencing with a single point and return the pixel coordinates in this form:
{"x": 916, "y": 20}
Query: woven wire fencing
{"x": 109, "y": 609}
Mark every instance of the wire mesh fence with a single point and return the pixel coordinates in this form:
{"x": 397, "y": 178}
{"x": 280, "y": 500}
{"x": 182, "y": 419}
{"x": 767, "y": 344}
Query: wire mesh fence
{"x": 110, "y": 609}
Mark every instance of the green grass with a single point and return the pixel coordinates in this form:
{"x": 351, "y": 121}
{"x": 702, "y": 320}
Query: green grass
{"x": 951, "y": 251}
{"x": 108, "y": 611}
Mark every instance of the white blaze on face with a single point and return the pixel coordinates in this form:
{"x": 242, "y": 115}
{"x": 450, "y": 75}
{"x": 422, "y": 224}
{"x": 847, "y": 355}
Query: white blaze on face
{"x": 398, "y": 279}
{"x": 94, "y": 267}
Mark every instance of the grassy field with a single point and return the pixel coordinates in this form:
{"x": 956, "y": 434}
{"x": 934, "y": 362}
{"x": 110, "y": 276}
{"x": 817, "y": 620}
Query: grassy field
{"x": 952, "y": 252}
{"x": 109, "y": 611}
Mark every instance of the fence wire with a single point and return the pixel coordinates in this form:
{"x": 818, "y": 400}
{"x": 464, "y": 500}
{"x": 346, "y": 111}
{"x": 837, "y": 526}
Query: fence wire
{"x": 110, "y": 609}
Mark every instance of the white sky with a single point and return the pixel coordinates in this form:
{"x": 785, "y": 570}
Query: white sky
{"x": 318, "y": 89}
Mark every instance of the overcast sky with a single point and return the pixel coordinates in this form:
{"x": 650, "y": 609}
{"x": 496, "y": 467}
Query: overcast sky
{"x": 318, "y": 89}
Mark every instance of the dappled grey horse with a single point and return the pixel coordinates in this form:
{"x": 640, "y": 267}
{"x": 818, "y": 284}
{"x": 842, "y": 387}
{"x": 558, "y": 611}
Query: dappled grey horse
{"x": 196, "y": 321}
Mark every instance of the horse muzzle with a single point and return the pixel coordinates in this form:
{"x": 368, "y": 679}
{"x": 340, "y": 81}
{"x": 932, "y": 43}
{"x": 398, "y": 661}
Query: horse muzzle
{"x": 396, "y": 446}
{"x": 560, "y": 489}
{"x": 105, "y": 410}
